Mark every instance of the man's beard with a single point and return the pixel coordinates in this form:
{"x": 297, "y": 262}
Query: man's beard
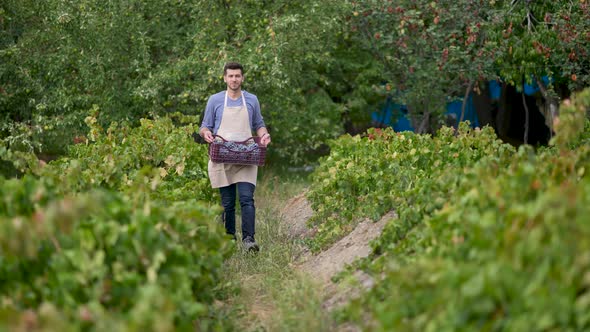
{"x": 238, "y": 86}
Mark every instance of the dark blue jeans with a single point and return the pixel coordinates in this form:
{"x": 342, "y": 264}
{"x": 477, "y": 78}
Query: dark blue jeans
{"x": 228, "y": 200}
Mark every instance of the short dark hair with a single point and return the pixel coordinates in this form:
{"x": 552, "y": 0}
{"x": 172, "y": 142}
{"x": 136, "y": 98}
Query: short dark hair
{"x": 232, "y": 65}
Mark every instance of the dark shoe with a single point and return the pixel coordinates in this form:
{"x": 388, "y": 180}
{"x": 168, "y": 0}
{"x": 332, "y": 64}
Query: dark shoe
{"x": 250, "y": 244}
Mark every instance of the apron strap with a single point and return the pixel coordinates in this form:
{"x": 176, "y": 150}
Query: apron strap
{"x": 243, "y": 100}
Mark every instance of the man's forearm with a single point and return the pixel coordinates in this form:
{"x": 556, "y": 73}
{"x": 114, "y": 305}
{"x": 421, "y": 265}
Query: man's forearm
{"x": 203, "y": 130}
{"x": 261, "y": 131}
{"x": 264, "y": 136}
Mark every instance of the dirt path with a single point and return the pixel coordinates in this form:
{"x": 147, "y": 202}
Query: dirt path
{"x": 323, "y": 266}
{"x": 288, "y": 287}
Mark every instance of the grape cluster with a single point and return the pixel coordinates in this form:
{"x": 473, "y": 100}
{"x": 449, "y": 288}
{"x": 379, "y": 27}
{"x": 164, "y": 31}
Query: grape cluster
{"x": 238, "y": 153}
{"x": 233, "y": 146}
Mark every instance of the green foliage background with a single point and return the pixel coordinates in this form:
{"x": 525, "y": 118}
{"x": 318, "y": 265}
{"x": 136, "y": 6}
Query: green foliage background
{"x": 318, "y": 67}
{"x": 136, "y": 58}
{"x": 487, "y": 237}
{"x": 120, "y": 232}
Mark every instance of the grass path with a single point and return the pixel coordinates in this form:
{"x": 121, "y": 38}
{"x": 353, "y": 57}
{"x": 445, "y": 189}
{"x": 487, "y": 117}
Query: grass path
{"x": 274, "y": 295}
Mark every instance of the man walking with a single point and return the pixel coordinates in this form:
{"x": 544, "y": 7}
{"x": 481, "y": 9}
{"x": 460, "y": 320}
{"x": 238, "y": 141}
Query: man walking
{"x": 234, "y": 114}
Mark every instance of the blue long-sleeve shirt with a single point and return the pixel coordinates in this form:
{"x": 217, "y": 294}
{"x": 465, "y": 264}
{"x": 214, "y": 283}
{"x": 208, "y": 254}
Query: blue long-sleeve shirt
{"x": 214, "y": 110}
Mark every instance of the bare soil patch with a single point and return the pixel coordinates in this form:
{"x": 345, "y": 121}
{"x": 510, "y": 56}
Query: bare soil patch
{"x": 295, "y": 215}
{"x": 326, "y": 264}
{"x": 355, "y": 245}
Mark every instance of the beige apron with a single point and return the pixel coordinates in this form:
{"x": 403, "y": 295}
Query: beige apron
{"x": 235, "y": 126}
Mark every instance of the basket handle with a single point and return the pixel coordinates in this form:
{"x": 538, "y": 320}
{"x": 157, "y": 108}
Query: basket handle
{"x": 255, "y": 138}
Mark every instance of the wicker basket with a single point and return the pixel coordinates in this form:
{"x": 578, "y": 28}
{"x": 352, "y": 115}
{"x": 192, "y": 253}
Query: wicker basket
{"x": 247, "y": 152}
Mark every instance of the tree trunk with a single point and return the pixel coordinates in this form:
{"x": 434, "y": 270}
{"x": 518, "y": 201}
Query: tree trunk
{"x": 486, "y": 108}
{"x": 424, "y": 124}
{"x": 552, "y": 102}
{"x": 526, "y": 116}
{"x": 464, "y": 105}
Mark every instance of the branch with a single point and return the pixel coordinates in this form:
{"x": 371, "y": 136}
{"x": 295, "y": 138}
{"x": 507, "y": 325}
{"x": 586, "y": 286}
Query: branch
{"x": 529, "y": 17}
{"x": 549, "y": 99}
{"x": 542, "y": 88}
{"x": 425, "y": 121}
{"x": 512, "y": 5}
{"x": 526, "y": 118}
{"x": 464, "y": 105}
{"x": 55, "y": 243}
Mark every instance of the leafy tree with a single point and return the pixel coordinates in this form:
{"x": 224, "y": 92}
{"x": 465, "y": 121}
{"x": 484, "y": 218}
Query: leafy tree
{"x": 286, "y": 48}
{"x": 542, "y": 38}
{"x": 308, "y": 61}
{"x": 432, "y": 50}
{"x": 134, "y": 58}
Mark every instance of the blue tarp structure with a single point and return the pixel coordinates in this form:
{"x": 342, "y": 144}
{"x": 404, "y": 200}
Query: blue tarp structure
{"x": 470, "y": 113}
{"x": 395, "y": 115}
{"x": 393, "y": 112}
{"x": 529, "y": 89}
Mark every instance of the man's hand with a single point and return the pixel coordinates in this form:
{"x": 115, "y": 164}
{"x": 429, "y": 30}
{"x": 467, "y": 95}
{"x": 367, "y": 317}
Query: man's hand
{"x": 265, "y": 139}
{"x": 207, "y": 135}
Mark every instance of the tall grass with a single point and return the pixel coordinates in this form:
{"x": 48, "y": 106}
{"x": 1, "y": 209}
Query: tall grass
{"x": 273, "y": 295}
